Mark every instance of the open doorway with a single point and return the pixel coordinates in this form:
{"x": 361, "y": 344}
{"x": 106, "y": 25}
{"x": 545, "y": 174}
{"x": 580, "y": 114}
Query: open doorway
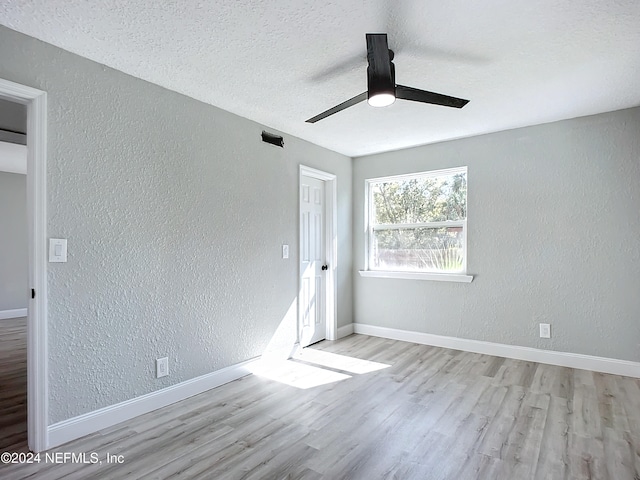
{"x": 14, "y": 281}
{"x": 35, "y": 102}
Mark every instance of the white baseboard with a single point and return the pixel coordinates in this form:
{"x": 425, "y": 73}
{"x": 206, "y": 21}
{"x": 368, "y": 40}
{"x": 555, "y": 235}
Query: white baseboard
{"x": 15, "y": 313}
{"x": 563, "y": 359}
{"x": 77, "y": 427}
{"x": 345, "y": 330}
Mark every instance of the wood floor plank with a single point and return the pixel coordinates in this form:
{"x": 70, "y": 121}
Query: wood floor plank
{"x": 554, "y": 449}
{"x": 13, "y": 385}
{"x": 426, "y": 413}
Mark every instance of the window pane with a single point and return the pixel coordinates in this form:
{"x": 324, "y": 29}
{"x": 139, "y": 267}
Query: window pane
{"x": 420, "y": 200}
{"x": 418, "y": 249}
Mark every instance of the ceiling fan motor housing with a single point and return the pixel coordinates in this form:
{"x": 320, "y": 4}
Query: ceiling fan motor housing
{"x": 381, "y": 73}
{"x": 381, "y": 87}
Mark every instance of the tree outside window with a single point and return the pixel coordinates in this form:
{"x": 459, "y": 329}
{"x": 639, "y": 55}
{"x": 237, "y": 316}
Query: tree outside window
{"x": 417, "y": 222}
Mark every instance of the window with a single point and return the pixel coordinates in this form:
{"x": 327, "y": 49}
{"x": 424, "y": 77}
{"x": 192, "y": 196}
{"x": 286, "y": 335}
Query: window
{"x": 417, "y": 223}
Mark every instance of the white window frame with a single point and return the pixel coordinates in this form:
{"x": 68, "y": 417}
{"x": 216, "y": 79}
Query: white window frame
{"x": 460, "y": 276}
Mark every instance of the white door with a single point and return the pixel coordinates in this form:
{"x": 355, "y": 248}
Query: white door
{"x": 312, "y": 316}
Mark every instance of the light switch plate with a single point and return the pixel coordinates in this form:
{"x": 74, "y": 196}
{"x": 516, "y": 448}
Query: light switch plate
{"x": 57, "y": 250}
{"x": 285, "y": 251}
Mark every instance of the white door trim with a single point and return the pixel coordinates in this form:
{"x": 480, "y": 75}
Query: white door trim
{"x": 37, "y": 389}
{"x": 331, "y": 244}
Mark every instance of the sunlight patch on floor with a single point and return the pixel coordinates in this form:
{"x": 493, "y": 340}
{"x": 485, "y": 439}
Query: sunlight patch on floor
{"x": 338, "y": 362}
{"x": 296, "y": 374}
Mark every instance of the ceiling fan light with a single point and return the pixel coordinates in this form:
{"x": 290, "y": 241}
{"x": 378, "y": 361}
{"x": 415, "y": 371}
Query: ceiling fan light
{"x": 381, "y": 99}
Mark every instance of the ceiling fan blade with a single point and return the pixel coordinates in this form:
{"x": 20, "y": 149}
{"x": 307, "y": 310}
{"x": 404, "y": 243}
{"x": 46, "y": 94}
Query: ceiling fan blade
{"x": 349, "y": 103}
{"x": 378, "y": 56}
{"x": 416, "y": 95}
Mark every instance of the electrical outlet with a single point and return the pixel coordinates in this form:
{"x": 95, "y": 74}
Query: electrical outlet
{"x": 545, "y": 330}
{"x": 162, "y": 367}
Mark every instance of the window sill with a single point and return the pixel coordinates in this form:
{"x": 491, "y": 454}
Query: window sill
{"x": 439, "y": 277}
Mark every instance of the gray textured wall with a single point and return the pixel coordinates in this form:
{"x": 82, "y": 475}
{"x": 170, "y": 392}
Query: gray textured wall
{"x": 175, "y": 213}
{"x": 553, "y": 236}
{"x": 13, "y": 116}
{"x": 13, "y": 241}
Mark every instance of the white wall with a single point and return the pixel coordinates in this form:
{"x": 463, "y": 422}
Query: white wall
{"x": 13, "y": 158}
{"x": 175, "y": 213}
{"x": 553, "y": 236}
{"x": 13, "y": 241}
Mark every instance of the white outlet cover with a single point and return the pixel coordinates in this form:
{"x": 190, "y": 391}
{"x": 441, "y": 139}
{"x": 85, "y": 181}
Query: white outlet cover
{"x": 545, "y": 330}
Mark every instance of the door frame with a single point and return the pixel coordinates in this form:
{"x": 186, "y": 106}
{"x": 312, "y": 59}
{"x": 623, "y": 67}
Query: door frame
{"x": 37, "y": 386}
{"x": 331, "y": 247}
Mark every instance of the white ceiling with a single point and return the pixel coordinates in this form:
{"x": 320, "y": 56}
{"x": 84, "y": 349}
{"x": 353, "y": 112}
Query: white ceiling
{"x": 520, "y": 62}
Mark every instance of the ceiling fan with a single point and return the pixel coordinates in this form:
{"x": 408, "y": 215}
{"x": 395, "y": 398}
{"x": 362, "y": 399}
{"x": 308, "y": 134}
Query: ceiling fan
{"x": 381, "y": 83}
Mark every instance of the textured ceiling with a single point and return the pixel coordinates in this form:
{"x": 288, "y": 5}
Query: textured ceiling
{"x": 520, "y": 62}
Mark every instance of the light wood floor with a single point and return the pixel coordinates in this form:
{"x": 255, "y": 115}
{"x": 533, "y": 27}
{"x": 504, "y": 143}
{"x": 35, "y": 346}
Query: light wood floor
{"x": 432, "y": 413}
{"x": 13, "y": 385}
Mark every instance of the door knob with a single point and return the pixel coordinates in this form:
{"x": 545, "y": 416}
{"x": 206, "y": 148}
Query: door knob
{"x": 325, "y": 267}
